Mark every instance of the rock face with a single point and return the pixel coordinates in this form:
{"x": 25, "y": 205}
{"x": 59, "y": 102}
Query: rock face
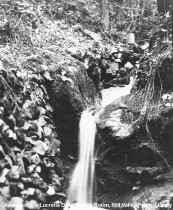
{"x": 115, "y": 64}
{"x": 149, "y": 198}
{"x": 166, "y": 74}
{"x": 70, "y": 93}
{"x": 136, "y": 136}
{"x": 133, "y": 152}
{"x": 111, "y": 123}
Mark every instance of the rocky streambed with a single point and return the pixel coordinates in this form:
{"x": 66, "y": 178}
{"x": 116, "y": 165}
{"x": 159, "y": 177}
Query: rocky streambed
{"x": 134, "y": 139}
{"x": 134, "y": 162}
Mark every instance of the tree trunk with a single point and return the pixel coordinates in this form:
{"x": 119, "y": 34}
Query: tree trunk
{"x": 105, "y": 14}
{"x": 164, "y": 6}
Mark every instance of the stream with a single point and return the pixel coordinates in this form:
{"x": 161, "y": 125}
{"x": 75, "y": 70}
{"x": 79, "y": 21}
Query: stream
{"x": 80, "y": 193}
{"x": 113, "y": 93}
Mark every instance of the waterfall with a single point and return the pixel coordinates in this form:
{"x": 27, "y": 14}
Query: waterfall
{"x": 81, "y": 186}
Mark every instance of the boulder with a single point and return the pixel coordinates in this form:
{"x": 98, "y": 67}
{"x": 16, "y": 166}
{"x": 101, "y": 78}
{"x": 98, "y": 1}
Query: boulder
{"x": 136, "y": 144}
{"x": 118, "y": 82}
{"x": 70, "y": 93}
{"x": 111, "y": 121}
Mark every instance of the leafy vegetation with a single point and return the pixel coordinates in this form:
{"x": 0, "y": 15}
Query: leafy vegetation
{"x": 35, "y": 44}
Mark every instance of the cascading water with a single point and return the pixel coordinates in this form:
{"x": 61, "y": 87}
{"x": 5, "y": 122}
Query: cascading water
{"x": 81, "y": 186}
{"x": 113, "y": 93}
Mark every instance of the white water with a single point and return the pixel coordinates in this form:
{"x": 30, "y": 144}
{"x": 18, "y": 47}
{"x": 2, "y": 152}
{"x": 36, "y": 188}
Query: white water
{"x": 113, "y": 93}
{"x": 81, "y": 186}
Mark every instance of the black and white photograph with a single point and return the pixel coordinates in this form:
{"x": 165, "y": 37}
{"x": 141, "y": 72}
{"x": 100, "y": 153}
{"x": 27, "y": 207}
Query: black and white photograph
{"x": 86, "y": 105}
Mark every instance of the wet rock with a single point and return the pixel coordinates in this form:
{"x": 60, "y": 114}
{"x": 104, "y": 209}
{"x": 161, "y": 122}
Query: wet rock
{"x": 142, "y": 152}
{"x": 111, "y": 122}
{"x": 127, "y": 111}
{"x": 69, "y": 99}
